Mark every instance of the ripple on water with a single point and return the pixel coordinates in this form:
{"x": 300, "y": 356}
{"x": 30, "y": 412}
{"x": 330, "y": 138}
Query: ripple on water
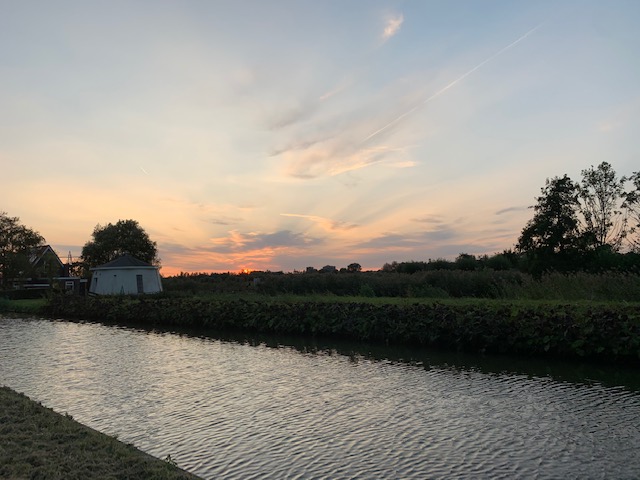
{"x": 225, "y": 410}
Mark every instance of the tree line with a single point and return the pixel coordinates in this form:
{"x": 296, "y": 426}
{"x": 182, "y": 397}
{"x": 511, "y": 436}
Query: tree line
{"x": 18, "y": 244}
{"x": 590, "y": 225}
{"x": 577, "y": 225}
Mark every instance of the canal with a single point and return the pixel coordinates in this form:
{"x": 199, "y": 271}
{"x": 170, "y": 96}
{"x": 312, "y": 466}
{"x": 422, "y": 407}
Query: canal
{"x": 257, "y": 408}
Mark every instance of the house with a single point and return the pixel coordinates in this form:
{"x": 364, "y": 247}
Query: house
{"x": 44, "y": 270}
{"x": 125, "y": 275}
{"x": 45, "y": 263}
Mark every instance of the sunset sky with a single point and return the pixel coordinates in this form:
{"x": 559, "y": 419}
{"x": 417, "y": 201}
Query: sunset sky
{"x": 285, "y": 134}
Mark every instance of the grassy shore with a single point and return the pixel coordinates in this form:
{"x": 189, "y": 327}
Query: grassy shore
{"x": 37, "y": 443}
{"x": 29, "y": 306}
{"x": 597, "y": 331}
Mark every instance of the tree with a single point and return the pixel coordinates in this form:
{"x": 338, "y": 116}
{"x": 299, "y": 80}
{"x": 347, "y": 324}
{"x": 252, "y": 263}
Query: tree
{"x": 600, "y": 194}
{"x": 112, "y": 241}
{"x": 390, "y": 267}
{"x": 554, "y": 228}
{"x": 631, "y": 206}
{"x": 464, "y": 261}
{"x": 16, "y": 244}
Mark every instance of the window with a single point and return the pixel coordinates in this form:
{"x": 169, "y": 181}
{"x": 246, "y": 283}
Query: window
{"x": 139, "y": 283}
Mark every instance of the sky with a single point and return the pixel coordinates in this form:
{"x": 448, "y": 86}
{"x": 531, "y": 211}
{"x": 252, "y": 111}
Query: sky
{"x": 277, "y": 135}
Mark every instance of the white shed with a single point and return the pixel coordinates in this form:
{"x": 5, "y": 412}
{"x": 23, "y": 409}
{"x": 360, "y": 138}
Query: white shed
{"x": 125, "y": 275}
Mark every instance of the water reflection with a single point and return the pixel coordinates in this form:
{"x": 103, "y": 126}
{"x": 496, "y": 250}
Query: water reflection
{"x": 265, "y": 407}
{"x": 565, "y": 370}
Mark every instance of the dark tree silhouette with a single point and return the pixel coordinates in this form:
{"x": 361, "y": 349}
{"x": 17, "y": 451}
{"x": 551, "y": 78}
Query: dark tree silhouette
{"x": 554, "y": 228}
{"x": 16, "y": 244}
{"x": 354, "y": 267}
{"x": 112, "y": 241}
{"x": 631, "y": 206}
{"x": 601, "y": 193}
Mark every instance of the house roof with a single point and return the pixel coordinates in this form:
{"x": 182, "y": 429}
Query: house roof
{"x": 124, "y": 261}
{"x": 38, "y": 254}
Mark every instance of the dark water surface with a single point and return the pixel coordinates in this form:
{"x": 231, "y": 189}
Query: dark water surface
{"x": 267, "y": 408}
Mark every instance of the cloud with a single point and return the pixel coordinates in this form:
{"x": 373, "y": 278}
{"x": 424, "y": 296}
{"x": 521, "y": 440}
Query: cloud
{"x": 291, "y": 115}
{"x": 325, "y": 223}
{"x": 225, "y": 220}
{"x": 339, "y": 157}
{"x": 327, "y": 140}
{"x": 392, "y": 26}
{"x": 510, "y": 209}
{"x": 411, "y": 240}
{"x": 247, "y": 242}
{"x": 448, "y": 86}
{"x": 437, "y": 219}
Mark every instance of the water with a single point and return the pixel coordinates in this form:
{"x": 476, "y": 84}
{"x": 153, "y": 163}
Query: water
{"x": 229, "y": 409}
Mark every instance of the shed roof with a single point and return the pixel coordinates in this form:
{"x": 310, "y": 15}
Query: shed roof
{"x": 125, "y": 260}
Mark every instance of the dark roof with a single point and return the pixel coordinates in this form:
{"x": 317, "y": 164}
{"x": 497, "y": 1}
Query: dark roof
{"x": 125, "y": 260}
{"x": 38, "y": 254}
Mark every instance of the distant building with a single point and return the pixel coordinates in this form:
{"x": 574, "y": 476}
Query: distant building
{"x": 328, "y": 269}
{"x": 45, "y": 269}
{"x": 125, "y": 275}
{"x": 44, "y": 262}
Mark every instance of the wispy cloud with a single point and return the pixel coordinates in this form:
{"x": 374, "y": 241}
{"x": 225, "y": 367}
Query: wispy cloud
{"x": 335, "y": 159}
{"x": 392, "y": 26}
{"x": 291, "y": 115}
{"x": 236, "y": 241}
{"x": 510, "y": 209}
{"x": 432, "y": 219}
{"x": 450, "y": 85}
{"x": 225, "y": 220}
{"x": 325, "y": 223}
{"x": 411, "y": 241}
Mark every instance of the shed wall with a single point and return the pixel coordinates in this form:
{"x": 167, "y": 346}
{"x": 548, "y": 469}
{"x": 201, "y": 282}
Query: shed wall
{"x": 115, "y": 281}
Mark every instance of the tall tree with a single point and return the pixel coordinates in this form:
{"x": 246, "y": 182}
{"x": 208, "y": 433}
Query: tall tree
{"x": 554, "y": 228}
{"x": 601, "y": 194}
{"x": 16, "y": 244}
{"x": 631, "y": 206}
{"x": 112, "y": 241}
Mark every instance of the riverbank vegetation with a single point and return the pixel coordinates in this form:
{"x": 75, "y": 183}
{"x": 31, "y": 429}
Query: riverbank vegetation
{"x": 420, "y": 283}
{"x": 581, "y": 248}
{"x": 38, "y": 443}
{"x": 609, "y": 332}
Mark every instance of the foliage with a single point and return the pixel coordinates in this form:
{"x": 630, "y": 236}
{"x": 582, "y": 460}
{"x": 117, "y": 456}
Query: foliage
{"x": 600, "y": 194}
{"x": 553, "y": 230}
{"x": 620, "y": 281}
{"x": 354, "y": 267}
{"x": 632, "y": 207}
{"x": 16, "y": 244}
{"x": 112, "y": 241}
{"x": 605, "y": 332}
{"x": 582, "y": 226}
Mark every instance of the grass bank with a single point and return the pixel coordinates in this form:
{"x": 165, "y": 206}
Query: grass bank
{"x": 599, "y": 331}
{"x": 32, "y": 306}
{"x": 37, "y": 443}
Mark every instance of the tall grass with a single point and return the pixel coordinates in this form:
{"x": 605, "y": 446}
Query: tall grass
{"x": 440, "y": 284}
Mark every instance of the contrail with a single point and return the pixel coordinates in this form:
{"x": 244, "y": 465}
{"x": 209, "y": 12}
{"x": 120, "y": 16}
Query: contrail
{"x": 451, "y": 84}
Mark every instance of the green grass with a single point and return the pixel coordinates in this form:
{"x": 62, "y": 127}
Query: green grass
{"x": 32, "y": 306}
{"x": 37, "y": 443}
